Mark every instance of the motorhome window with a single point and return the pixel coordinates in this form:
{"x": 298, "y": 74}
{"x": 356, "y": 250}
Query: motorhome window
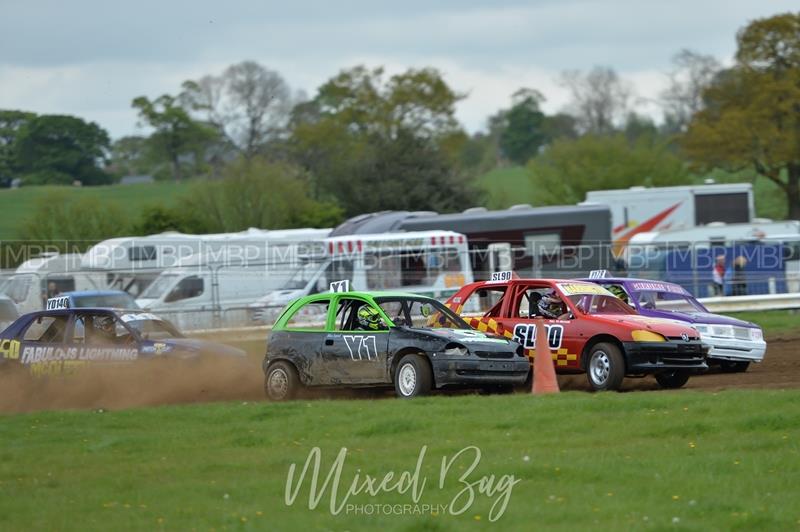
{"x": 46, "y": 329}
{"x": 17, "y": 288}
{"x": 54, "y": 286}
{"x": 483, "y": 300}
{"x": 728, "y": 208}
{"x": 137, "y": 253}
{"x": 159, "y": 287}
{"x": 548, "y": 245}
{"x": 383, "y": 270}
{"x": 311, "y": 316}
{"x": 188, "y": 287}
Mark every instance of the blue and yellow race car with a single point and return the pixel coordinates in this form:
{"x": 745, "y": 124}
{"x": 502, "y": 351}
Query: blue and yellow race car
{"x": 61, "y": 339}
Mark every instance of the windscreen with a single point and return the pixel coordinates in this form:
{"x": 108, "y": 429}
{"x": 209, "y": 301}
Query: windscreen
{"x": 669, "y": 301}
{"x": 600, "y": 304}
{"x": 159, "y": 287}
{"x": 150, "y": 327}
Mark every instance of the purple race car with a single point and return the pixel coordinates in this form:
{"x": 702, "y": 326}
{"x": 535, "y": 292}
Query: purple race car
{"x": 733, "y": 343}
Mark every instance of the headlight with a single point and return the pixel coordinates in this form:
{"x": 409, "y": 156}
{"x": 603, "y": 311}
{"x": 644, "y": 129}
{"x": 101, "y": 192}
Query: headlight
{"x": 455, "y": 350}
{"x": 702, "y": 329}
{"x": 756, "y": 334}
{"x": 647, "y": 336}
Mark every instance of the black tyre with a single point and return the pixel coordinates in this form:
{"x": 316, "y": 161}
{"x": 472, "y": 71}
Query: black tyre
{"x": 606, "y": 367}
{"x": 281, "y": 382}
{"x": 412, "y": 377}
{"x": 729, "y": 366}
{"x": 672, "y": 379}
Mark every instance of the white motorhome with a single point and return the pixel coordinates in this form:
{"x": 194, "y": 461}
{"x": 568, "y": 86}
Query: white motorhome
{"x": 47, "y": 275}
{"x": 213, "y": 287}
{"x": 132, "y": 263}
{"x": 433, "y": 263}
{"x": 643, "y": 209}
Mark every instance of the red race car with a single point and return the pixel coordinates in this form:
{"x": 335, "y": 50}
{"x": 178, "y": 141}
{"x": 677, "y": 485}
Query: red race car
{"x": 588, "y": 328}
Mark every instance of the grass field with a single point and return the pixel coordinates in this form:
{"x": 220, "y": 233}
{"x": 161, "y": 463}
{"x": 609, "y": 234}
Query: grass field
{"x": 691, "y": 461}
{"x": 16, "y": 204}
{"x": 773, "y": 322}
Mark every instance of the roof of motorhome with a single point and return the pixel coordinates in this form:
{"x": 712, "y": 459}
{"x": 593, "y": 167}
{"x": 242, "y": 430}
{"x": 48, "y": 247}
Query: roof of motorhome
{"x": 695, "y": 189}
{"x": 396, "y": 235}
{"x": 59, "y": 262}
{"x": 470, "y": 221}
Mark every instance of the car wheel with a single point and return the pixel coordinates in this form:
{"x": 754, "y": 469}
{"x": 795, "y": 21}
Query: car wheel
{"x": 606, "y": 367}
{"x": 729, "y": 366}
{"x": 672, "y": 379}
{"x": 412, "y": 377}
{"x": 281, "y": 381}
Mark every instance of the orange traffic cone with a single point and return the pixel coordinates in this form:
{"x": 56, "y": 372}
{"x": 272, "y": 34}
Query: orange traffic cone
{"x": 544, "y": 374}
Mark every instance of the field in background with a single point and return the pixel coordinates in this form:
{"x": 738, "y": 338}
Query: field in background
{"x": 698, "y": 461}
{"x": 16, "y": 204}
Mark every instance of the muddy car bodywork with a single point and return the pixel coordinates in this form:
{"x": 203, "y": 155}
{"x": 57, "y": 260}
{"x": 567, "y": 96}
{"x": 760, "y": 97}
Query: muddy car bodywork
{"x": 331, "y": 350}
{"x": 63, "y": 340}
{"x": 654, "y": 346}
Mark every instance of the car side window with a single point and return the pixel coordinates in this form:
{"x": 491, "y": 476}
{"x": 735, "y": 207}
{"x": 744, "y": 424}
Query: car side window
{"x": 47, "y": 329}
{"x": 486, "y": 300}
{"x": 357, "y": 315}
{"x": 99, "y": 329}
{"x": 311, "y": 316}
{"x": 528, "y": 302}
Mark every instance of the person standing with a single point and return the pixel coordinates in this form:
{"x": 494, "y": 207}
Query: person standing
{"x": 739, "y": 284}
{"x": 718, "y": 276}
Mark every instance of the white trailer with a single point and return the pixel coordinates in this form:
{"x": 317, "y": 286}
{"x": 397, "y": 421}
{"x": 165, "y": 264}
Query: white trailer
{"x": 644, "y": 209}
{"x": 132, "y": 263}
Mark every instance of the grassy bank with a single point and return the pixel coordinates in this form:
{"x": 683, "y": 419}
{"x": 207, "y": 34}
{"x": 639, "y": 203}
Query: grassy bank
{"x": 696, "y": 461}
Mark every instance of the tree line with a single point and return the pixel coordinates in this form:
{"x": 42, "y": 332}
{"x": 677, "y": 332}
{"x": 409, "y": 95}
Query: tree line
{"x": 268, "y": 156}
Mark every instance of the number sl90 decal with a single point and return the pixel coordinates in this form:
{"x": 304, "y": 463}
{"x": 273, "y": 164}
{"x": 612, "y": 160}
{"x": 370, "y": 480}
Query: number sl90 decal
{"x": 525, "y": 334}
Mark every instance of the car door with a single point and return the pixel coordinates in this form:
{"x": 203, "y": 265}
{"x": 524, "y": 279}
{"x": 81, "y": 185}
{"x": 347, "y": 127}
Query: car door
{"x": 521, "y": 314}
{"x": 42, "y": 344}
{"x": 354, "y": 353}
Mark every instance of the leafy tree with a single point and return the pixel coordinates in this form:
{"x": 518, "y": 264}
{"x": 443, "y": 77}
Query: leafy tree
{"x": 59, "y": 149}
{"x": 600, "y": 99}
{"x": 132, "y": 155}
{"x": 248, "y": 103}
{"x": 372, "y": 144}
{"x": 524, "y": 132}
{"x": 752, "y": 114}
{"x": 568, "y": 169}
{"x": 10, "y": 123}
{"x": 254, "y": 193}
{"x": 177, "y": 138}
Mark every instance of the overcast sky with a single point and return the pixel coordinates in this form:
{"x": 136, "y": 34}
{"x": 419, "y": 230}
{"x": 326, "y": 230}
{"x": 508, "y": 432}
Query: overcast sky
{"x": 90, "y": 58}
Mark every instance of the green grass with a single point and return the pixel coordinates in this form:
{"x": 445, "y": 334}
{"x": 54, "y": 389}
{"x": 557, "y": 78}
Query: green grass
{"x": 506, "y": 187}
{"x": 773, "y": 322}
{"x": 661, "y": 460}
{"x": 17, "y": 204}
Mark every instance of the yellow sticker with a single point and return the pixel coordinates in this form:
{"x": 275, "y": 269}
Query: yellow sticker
{"x": 583, "y": 288}
{"x": 9, "y": 349}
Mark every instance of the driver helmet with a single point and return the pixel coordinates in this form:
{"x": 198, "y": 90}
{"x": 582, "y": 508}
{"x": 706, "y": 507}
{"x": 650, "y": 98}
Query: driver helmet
{"x": 618, "y": 291}
{"x": 369, "y": 318}
{"x": 105, "y": 324}
{"x": 550, "y": 305}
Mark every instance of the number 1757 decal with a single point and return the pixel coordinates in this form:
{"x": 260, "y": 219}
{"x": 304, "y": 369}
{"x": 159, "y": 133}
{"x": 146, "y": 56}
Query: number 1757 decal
{"x": 525, "y": 334}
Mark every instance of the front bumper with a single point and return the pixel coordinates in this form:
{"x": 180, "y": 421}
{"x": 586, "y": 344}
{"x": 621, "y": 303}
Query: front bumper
{"x": 473, "y": 370}
{"x": 655, "y": 357}
{"x": 735, "y": 350}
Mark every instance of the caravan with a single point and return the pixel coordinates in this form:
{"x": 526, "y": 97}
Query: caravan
{"x": 48, "y": 275}
{"x": 132, "y": 263}
{"x": 432, "y": 263}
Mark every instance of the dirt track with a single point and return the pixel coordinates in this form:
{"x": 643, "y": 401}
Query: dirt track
{"x": 165, "y": 382}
